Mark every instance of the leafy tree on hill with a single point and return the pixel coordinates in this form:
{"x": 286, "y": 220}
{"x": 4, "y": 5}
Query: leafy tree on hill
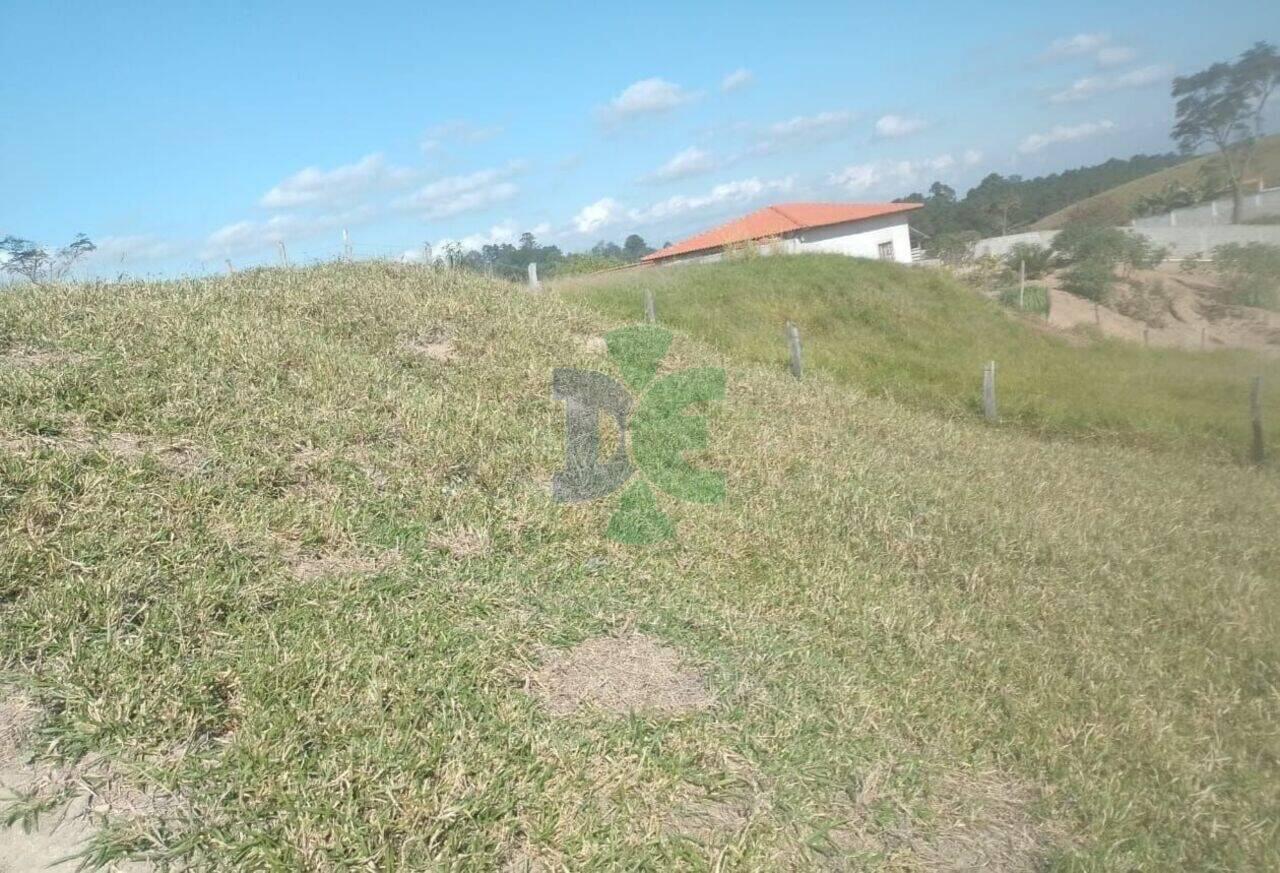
{"x": 1223, "y": 105}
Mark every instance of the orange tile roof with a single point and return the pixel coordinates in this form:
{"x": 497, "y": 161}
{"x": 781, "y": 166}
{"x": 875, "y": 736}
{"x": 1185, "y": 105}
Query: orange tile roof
{"x": 777, "y": 220}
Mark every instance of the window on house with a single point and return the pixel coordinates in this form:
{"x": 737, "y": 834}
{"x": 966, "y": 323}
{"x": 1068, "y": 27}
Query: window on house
{"x": 886, "y": 251}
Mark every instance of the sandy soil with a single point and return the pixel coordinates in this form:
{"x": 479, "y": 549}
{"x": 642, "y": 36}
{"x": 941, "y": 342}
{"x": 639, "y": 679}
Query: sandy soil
{"x": 1181, "y": 311}
{"x": 62, "y": 833}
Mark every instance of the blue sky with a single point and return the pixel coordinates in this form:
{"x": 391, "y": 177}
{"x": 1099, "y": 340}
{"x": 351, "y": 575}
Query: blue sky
{"x": 181, "y": 134}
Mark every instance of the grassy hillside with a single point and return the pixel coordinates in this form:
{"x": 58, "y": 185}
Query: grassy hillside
{"x": 1266, "y": 164}
{"x": 919, "y": 337}
{"x": 279, "y": 547}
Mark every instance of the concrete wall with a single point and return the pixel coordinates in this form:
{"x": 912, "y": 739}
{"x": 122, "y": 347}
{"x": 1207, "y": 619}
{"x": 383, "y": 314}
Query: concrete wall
{"x": 1217, "y": 212}
{"x": 1182, "y": 242}
{"x": 859, "y": 239}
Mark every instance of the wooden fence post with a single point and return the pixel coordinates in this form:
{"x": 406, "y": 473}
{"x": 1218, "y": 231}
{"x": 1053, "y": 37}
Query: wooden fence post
{"x": 989, "y": 392}
{"x": 650, "y": 307}
{"x": 1255, "y": 415}
{"x": 533, "y": 274}
{"x": 797, "y": 359}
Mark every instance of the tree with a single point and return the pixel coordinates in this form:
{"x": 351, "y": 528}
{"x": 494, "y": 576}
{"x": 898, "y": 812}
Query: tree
{"x": 25, "y": 258}
{"x": 634, "y": 247}
{"x": 1223, "y": 105}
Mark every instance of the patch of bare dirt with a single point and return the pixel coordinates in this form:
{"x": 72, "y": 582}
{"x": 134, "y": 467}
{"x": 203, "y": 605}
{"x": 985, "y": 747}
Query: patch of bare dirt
{"x": 461, "y": 542}
{"x": 92, "y": 792}
{"x": 29, "y": 358}
{"x": 178, "y": 456}
{"x": 619, "y": 674}
{"x": 1166, "y": 308}
{"x": 981, "y": 821}
{"x": 434, "y": 344}
{"x": 594, "y": 345}
{"x": 309, "y": 566}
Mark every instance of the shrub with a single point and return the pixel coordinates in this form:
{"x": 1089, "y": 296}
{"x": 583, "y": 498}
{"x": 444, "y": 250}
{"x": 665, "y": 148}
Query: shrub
{"x": 1250, "y": 272}
{"x": 1140, "y": 253}
{"x": 1091, "y": 279}
{"x": 1038, "y": 259}
{"x": 1078, "y": 242}
{"x": 1034, "y": 299}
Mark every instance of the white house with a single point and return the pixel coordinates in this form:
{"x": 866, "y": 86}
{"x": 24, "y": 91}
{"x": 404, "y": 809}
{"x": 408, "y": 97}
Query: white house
{"x": 861, "y": 230}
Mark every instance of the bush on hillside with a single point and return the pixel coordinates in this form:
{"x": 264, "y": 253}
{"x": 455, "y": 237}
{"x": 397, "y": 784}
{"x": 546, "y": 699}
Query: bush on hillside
{"x": 1140, "y": 253}
{"x": 1079, "y": 242}
{"x": 1250, "y": 272}
{"x": 1036, "y": 258}
{"x": 1091, "y": 279}
{"x": 1034, "y": 299}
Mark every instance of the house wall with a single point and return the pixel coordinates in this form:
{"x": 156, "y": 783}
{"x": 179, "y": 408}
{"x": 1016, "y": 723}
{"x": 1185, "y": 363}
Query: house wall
{"x": 859, "y": 239}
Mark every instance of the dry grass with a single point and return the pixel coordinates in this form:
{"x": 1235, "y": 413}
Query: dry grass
{"x": 632, "y": 673}
{"x": 913, "y": 627}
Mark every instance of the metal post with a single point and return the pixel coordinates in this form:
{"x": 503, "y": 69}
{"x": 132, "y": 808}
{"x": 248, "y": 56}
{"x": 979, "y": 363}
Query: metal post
{"x": 797, "y": 358}
{"x": 284, "y": 255}
{"x": 989, "y": 392}
{"x": 650, "y": 308}
{"x": 1255, "y": 416}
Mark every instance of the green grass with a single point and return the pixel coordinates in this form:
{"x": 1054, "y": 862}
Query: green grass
{"x": 908, "y": 620}
{"x": 1032, "y": 298}
{"x": 1266, "y": 165}
{"x": 917, "y": 336}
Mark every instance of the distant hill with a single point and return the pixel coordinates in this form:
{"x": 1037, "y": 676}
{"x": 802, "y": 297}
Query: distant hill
{"x": 999, "y": 203}
{"x": 1123, "y": 198}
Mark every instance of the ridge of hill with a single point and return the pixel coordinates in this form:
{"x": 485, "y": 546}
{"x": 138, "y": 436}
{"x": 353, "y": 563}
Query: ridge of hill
{"x": 1122, "y": 199}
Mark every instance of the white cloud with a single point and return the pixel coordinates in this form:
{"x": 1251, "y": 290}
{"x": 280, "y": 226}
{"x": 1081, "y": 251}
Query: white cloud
{"x": 861, "y": 178}
{"x": 892, "y": 126}
{"x": 857, "y": 178}
{"x": 457, "y": 131}
{"x": 454, "y": 195}
{"x": 139, "y": 247}
{"x": 603, "y": 213}
{"x": 1077, "y": 45}
{"x": 499, "y": 234}
{"x": 972, "y": 157}
{"x": 1091, "y": 86}
{"x": 608, "y": 212}
{"x": 1063, "y": 133}
{"x": 647, "y": 97}
{"x": 693, "y": 161}
{"x": 739, "y": 78}
{"x": 805, "y": 129}
{"x": 249, "y": 235}
{"x": 739, "y": 192}
{"x": 341, "y": 185}
{"x": 1114, "y": 55}
{"x": 1098, "y": 46}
